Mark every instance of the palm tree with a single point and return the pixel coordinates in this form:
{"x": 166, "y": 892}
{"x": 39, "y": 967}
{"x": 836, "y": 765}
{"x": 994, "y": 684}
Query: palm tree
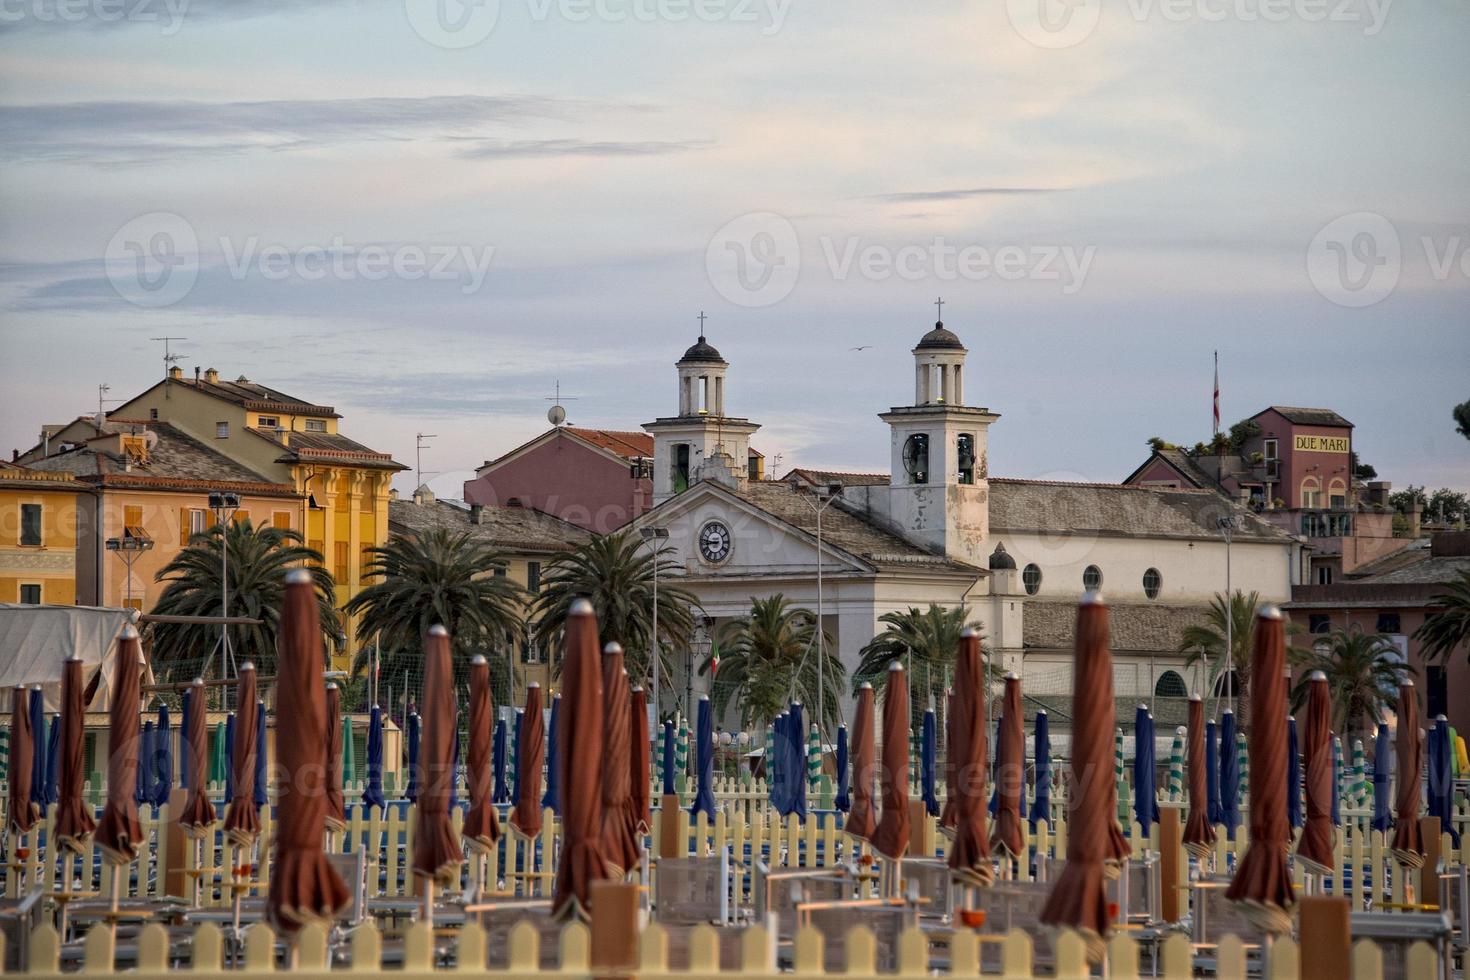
{"x": 258, "y": 558}
{"x": 440, "y": 577}
{"x": 1447, "y": 627}
{"x": 769, "y": 657}
{"x": 1205, "y": 642}
{"x": 925, "y": 643}
{"x": 615, "y": 573}
{"x": 1363, "y": 676}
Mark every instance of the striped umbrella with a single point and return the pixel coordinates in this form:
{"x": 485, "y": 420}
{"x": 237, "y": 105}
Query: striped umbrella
{"x": 770, "y": 756}
{"x": 667, "y": 767}
{"x": 1360, "y": 775}
{"x": 1176, "y": 766}
{"x": 349, "y": 754}
{"x": 1242, "y": 752}
{"x": 217, "y": 767}
{"x": 813, "y": 756}
{"x": 5, "y": 753}
{"x": 1339, "y": 781}
{"x": 1118, "y": 781}
{"x": 681, "y": 748}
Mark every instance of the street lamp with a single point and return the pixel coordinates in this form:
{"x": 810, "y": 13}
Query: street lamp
{"x": 129, "y": 549}
{"x": 654, "y": 535}
{"x": 1227, "y": 525}
{"x": 224, "y": 506}
{"x": 825, "y": 496}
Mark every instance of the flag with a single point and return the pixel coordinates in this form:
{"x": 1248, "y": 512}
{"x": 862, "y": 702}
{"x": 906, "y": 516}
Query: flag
{"x": 714, "y": 659}
{"x": 1217, "y": 392}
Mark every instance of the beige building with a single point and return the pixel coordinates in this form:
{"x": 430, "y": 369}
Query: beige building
{"x": 40, "y": 518}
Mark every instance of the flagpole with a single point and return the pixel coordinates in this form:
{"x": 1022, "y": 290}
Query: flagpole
{"x": 1216, "y": 402}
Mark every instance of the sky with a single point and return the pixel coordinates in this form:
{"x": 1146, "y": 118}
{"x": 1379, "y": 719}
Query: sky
{"x": 428, "y": 214}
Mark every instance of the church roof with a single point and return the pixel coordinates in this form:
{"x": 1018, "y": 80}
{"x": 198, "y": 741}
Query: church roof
{"x": 1133, "y": 628}
{"x": 939, "y": 338}
{"x": 513, "y": 529}
{"x": 1108, "y": 509}
{"x": 701, "y": 353}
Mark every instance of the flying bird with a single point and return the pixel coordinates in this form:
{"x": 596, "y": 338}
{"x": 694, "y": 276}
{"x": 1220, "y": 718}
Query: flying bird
{"x": 864, "y": 347}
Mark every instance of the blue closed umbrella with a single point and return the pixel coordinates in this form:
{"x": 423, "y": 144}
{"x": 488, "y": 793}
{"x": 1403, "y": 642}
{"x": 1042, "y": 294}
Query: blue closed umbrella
{"x": 667, "y": 764}
{"x": 1229, "y": 775}
{"x": 552, "y": 797}
{"x": 1441, "y": 777}
{"x": 454, "y": 769}
{"x": 1293, "y": 775}
{"x": 843, "y": 802}
{"x": 372, "y": 791}
{"x": 926, "y": 764}
{"x": 501, "y": 793}
{"x": 1041, "y": 808}
{"x": 163, "y": 759}
{"x": 704, "y": 797}
{"x": 183, "y": 740}
{"x": 1382, "y": 774}
{"x": 261, "y": 797}
{"x": 1145, "y": 800}
{"x": 39, "y": 744}
{"x": 229, "y": 757}
{"x": 411, "y": 791}
{"x": 1336, "y": 781}
{"x": 996, "y": 752}
{"x": 53, "y": 761}
{"x": 1212, "y": 773}
{"x": 774, "y": 783}
{"x": 145, "y": 772}
{"x": 796, "y": 762}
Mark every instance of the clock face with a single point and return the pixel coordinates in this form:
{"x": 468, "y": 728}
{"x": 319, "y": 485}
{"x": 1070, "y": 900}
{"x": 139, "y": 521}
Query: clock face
{"x": 715, "y": 542}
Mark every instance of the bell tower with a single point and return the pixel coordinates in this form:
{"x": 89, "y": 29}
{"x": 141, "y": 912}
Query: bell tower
{"x": 939, "y": 494}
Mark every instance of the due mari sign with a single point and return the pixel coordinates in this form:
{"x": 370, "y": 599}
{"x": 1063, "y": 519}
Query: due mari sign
{"x": 1320, "y": 444}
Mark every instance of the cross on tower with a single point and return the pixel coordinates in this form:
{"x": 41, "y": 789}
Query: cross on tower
{"x": 701, "y": 323}
{"x": 939, "y": 308}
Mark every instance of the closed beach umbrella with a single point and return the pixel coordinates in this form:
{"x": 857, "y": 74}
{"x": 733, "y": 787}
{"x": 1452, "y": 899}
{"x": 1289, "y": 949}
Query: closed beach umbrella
{"x": 1230, "y": 775}
{"x": 1293, "y": 775}
{"x": 39, "y": 745}
{"x": 372, "y": 790}
{"x": 1408, "y": 843}
{"x": 1041, "y": 806}
{"x": 793, "y": 770}
{"x": 53, "y": 761}
{"x": 414, "y": 729}
{"x": 242, "y": 819}
{"x": 304, "y": 886}
{"x": 217, "y": 754}
{"x": 948, "y": 815}
{"x": 1382, "y": 774}
{"x": 454, "y": 758}
{"x": 1441, "y": 777}
{"x": 229, "y": 755}
{"x": 500, "y": 788}
{"x": 552, "y": 799}
{"x": 119, "y": 834}
{"x": 579, "y": 775}
{"x": 162, "y": 763}
{"x": 481, "y": 828}
{"x": 926, "y": 765}
{"x": 813, "y": 755}
{"x": 891, "y": 839}
{"x": 1145, "y": 802}
{"x": 775, "y": 784}
{"x": 860, "y": 822}
{"x": 261, "y": 785}
{"x": 336, "y": 803}
{"x": 349, "y": 754}
{"x": 21, "y": 811}
{"x": 1176, "y": 766}
{"x": 525, "y": 819}
{"x": 1339, "y": 783}
{"x": 842, "y": 802}
{"x": 1314, "y": 848}
{"x": 1078, "y": 899}
{"x": 1358, "y": 791}
{"x": 681, "y": 747}
{"x": 667, "y": 762}
{"x": 1212, "y": 772}
{"x": 186, "y": 769}
{"x": 145, "y": 753}
{"x": 436, "y": 854}
{"x": 1199, "y": 831}
{"x": 704, "y": 794}
{"x": 1010, "y": 774}
{"x": 74, "y": 823}
{"x": 619, "y": 833}
{"x": 1262, "y": 884}
{"x": 198, "y": 814}
{"x": 1120, "y": 783}
{"x": 639, "y": 802}
{"x": 969, "y": 855}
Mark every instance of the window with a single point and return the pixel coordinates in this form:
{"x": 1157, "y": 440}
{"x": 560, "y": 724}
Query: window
{"x": 30, "y": 525}
{"x": 1437, "y": 695}
{"x": 1092, "y": 578}
{"x": 30, "y": 595}
{"x": 1389, "y": 623}
{"x": 1152, "y": 583}
{"x": 281, "y": 519}
{"x": 192, "y": 521}
{"x": 1324, "y": 574}
{"x": 966, "y": 452}
{"x": 221, "y": 430}
{"x": 1170, "y": 685}
{"x": 1311, "y": 492}
{"x": 1031, "y": 578}
{"x": 1270, "y": 450}
{"x": 681, "y": 467}
{"x": 1228, "y": 685}
{"x": 533, "y": 576}
{"x": 316, "y": 425}
{"x": 341, "y": 550}
{"x": 1319, "y": 623}
{"x": 269, "y": 422}
{"x": 153, "y": 414}
{"x": 132, "y": 516}
{"x": 530, "y": 652}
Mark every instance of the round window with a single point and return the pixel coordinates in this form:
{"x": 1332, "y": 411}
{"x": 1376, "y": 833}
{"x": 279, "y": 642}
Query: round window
{"x": 1092, "y": 578}
{"x": 1031, "y": 578}
{"x": 1152, "y": 583}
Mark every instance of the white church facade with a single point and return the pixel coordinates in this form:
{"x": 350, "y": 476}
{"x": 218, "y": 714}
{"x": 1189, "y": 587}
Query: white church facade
{"x": 939, "y": 528}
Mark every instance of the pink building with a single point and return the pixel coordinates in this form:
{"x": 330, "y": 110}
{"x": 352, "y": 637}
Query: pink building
{"x": 597, "y": 479}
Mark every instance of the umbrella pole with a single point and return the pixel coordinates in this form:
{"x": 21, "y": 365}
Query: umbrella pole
{"x": 113, "y": 898}
{"x": 429, "y": 901}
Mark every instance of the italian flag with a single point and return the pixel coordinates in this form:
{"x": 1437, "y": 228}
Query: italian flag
{"x": 714, "y": 658}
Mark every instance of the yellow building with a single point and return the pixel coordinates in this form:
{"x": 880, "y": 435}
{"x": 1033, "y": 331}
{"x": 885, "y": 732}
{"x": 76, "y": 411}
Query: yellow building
{"x": 40, "y": 513}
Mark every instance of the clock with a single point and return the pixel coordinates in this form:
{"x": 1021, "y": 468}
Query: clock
{"x": 715, "y": 542}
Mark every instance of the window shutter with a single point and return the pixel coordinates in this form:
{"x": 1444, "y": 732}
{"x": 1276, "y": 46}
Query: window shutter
{"x": 183, "y": 526}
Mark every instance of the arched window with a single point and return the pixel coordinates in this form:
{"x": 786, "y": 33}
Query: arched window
{"x": 1311, "y": 492}
{"x": 1228, "y": 685}
{"x": 1152, "y": 583}
{"x": 1031, "y": 578}
{"x": 1092, "y": 578}
{"x": 1170, "y": 685}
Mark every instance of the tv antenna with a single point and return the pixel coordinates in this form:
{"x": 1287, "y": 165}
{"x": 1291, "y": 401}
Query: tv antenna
{"x": 557, "y": 414}
{"x": 418, "y": 457}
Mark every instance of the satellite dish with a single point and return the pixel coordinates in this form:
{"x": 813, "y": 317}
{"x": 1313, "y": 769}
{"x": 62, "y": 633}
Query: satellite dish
{"x": 557, "y": 415}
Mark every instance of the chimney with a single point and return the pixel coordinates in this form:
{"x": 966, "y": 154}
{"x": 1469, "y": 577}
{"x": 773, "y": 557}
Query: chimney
{"x": 393, "y": 493}
{"x": 1415, "y": 516}
{"x": 175, "y": 373}
{"x": 477, "y": 513}
{"x": 211, "y": 375}
{"x": 196, "y": 374}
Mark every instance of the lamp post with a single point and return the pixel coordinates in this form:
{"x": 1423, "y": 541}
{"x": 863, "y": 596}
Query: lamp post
{"x": 654, "y": 535}
{"x": 1227, "y": 525}
{"x": 129, "y": 549}
{"x": 224, "y": 505}
{"x": 825, "y": 496}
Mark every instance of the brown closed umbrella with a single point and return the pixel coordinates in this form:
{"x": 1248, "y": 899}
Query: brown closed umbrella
{"x": 1199, "y": 833}
{"x": 242, "y": 819}
{"x": 1314, "y": 849}
{"x": 336, "y": 805}
{"x": 198, "y": 813}
{"x": 969, "y": 857}
{"x": 525, "y": 819}
{"x": 74, "y": 823}
{"x": 1408, "y": 843}
{"x": 436, "y": 854}
{"x": 891, "y": 839}
{"x": 949, "y": 815}
{"x": 1008, "y": 834}
{"x": 579, "y": 766}
{"x": 481, "y": 827}
{"x": 860, "y": 821}
{"x": 1262, "y": 884}
{"x": 619, "y": 830}
{"x": 21, "y": 813}
{"x": 1078, "y": 900}
{"x": 640, "y": 793}
{"x": 304, "y": 885}
{"x": 119, "y": 834}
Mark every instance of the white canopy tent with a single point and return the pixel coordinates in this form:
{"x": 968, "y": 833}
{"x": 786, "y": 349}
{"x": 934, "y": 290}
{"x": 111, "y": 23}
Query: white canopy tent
{"x": 36, "y": 640}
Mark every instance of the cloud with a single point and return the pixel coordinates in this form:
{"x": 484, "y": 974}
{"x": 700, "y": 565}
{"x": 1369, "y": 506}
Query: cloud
{"x": 962, "y": 194}
{"x": 494, "y": 148}
{"x": 58, "y": 16}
